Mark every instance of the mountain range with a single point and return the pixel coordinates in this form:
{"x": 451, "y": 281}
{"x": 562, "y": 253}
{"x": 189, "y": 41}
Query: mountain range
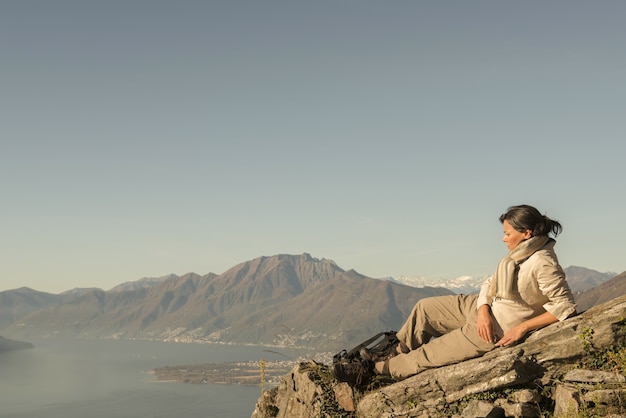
{"x": 282, "y": 300}
{"x": 578, "y": 278}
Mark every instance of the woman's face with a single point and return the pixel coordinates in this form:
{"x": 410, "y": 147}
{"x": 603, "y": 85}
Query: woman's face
{"x": 512, "y": 237}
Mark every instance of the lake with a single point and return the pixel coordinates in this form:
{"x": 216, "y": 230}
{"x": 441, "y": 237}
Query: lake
{"x": 112, "y": 379}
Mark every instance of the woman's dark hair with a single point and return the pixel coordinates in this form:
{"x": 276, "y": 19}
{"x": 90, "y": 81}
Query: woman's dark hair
{"x": 526, "y": 217}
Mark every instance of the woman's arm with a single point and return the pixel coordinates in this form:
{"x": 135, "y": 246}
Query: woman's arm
{"x": 517, "y": 333}
{"x": 553, "y": 285}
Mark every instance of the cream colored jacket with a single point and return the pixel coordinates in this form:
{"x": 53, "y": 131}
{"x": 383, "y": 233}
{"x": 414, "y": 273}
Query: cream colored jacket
{"x": 541, "y": 287}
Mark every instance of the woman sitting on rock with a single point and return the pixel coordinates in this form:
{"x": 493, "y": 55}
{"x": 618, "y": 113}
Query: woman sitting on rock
{"x": 528, "y": 291}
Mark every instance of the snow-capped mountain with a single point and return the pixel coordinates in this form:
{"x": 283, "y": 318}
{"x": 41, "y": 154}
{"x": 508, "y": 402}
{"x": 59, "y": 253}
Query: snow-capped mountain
{"x": 464, "y": 284}
{"x": 579, "y": 279}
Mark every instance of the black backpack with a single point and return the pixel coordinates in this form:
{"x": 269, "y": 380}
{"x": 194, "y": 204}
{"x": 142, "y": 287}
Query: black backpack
{"x": 381, "y": 346}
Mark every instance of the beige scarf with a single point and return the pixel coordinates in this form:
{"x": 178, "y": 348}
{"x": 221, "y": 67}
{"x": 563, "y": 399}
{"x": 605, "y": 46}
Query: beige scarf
{"x": 504, "y": 281}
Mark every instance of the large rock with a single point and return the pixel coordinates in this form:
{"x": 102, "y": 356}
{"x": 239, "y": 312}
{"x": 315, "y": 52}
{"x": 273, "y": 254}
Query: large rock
{"x": 542, "y": 359}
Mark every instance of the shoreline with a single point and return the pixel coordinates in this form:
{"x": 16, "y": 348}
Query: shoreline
{"x": 246, "y": 373}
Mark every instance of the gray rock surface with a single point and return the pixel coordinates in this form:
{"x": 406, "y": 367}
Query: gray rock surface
{"x": 513, "y": 373}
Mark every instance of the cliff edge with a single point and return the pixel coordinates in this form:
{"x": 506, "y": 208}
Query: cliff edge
{"x": 571, "y": 367}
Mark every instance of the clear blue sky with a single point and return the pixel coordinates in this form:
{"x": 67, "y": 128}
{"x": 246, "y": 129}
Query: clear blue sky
{"x": 142, "y": 138}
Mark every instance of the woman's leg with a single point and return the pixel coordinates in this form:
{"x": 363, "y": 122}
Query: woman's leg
{"x": 433, "y": 317}
{"x": 451, "y": 320}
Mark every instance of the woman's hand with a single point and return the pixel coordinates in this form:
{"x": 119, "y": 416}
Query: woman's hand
{"x": 485, "y": 325}
{"x": 512, "y": 336}
{"x": 517, "y": 333}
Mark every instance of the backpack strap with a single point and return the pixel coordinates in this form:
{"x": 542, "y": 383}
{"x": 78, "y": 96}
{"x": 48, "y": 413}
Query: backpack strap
{"x": 386, "y": 337}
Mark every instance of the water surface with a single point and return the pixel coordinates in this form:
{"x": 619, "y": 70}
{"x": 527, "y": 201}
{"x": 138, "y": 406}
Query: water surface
{"x": 112, "y": 379}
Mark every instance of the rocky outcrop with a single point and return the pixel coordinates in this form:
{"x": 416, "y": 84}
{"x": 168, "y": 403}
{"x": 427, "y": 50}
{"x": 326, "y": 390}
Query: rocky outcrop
{"x": 581, "y": 388}
{"x": 520, "y": 381}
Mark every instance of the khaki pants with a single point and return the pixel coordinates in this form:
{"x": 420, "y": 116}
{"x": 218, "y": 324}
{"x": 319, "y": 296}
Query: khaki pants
{"x": 439, "y": 331}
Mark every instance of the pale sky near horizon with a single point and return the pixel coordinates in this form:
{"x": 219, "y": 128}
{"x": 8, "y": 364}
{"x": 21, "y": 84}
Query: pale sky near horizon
{"x": 142, "y": 138}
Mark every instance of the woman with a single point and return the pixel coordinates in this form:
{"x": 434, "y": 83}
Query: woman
{"x": 527, "y": 291}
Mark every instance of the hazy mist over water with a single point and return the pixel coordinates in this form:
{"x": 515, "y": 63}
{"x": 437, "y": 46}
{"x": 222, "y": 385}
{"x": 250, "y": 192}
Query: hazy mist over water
{"x": 112, "y": 379}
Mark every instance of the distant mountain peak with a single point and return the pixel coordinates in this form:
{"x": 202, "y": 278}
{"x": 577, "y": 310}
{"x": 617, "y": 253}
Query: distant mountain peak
{"x": 578, "y": 278}
{"x": 142, "y": 283}
{"x": 290, "y": 300}
{"x": 285, "y": 300}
